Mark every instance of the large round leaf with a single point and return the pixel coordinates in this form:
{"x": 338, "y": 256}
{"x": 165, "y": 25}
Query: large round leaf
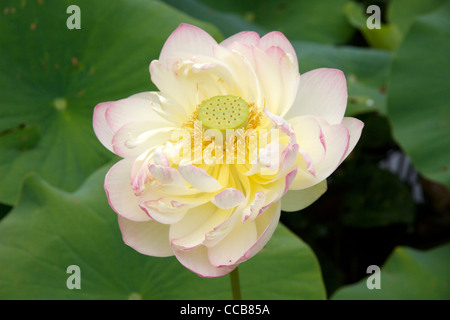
{"x": 418, "y": 96}
{"x": 51, "y": 78}
{"x": 408, "y": 274}
{"x": 403, "y": 13}
{"x": 51, "y": 230}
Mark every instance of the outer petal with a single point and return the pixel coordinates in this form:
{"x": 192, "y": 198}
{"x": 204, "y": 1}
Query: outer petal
{"x": 102, "y": 129}
{"x": 354, "y": 127}
{"x": 110, "y": 117}
{"x": 121, "y": 196}
{"x": 186, "y": 39}
{"x": 336, "y": 140}
{"x": 322, "y": 93}
{"x": 149, "y": 237}
{"x": 136, "y": 108}
{"x": 295, "y": 200}
{"x": 310, "y": 137}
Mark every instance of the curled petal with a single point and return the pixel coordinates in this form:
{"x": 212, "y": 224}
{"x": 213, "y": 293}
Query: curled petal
{"x": 163, "y": 210}
{"x": 135, "y": 138}
{"x": 160, "y": 158}
{"x": 265, "y": 226}
{"x": 169, "y": 208}
{"x": 228, "y": 252}
{"x": 254, "y": 208}
{"x": 288, "y": 180}
{"x": 136, "y": 108}
{"x": 110, "y": 117}
{"x": 199, "y": 178}
{"x": 336, "y": 138}
{"x": 228, "y": 198}
{"x": 167, "y": 175}
{"x": 354, "y": 127}
{"x": 102, "y": 129}
{"x": 121, "y": 195}
{"x": 191, "y": 231}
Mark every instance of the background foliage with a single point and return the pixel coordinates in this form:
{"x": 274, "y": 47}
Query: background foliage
{"x": 387, "y": 205}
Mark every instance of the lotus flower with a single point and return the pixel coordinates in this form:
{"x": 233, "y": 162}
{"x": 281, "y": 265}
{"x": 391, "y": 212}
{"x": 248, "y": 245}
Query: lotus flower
{"x": 208, "y": 158}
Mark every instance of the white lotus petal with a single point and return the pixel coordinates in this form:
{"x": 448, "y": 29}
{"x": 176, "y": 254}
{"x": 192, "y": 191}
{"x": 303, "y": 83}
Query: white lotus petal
{"x": 148, "y": 237}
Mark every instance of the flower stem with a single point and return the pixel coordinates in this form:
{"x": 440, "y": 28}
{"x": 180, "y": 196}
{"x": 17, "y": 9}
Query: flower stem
{"x": 235, "y": 284}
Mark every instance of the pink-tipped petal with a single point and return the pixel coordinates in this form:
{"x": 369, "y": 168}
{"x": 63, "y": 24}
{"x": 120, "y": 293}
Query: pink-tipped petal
{"x": 148, "y": 237}
{"x": 161, "y": 211}
{"x": 266, "y": 224}
{"x": 167, "y": 175}
{"x": 277, "y": 39}
{"x": 336, "y": 138}
{"x": 160, "y": 158}
{"x": 102, "y": 129}
{"x": 228, "y": 198}
{"x": 322, "y": 93}
{"x": 354, "y": 127}
{"x": 199, "y": 178}
{"x": 254, "y": 207}
{"x": 187, "y": 39}
{"x": 246, "y": 37}
{"x": 310, "y": 137}
{"x": 288, "y": 180}
{"x": 136, "y": 108}
{"x": 111, "y": 117}
{"x": 121, "y": 196}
